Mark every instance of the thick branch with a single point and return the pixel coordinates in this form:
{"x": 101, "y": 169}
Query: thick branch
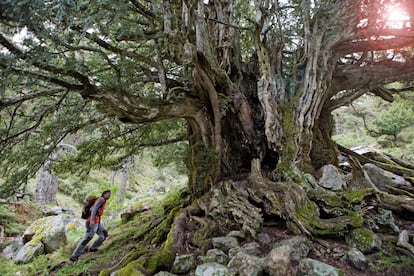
{"x": 362, "y": 43}
{"x": 347, "y": 77}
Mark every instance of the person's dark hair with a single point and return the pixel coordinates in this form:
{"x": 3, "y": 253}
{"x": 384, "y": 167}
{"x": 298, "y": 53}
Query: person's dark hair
{"x": 105, "y": 192}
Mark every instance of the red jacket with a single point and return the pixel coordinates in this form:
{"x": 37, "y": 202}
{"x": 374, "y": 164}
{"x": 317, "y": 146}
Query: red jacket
{"x": 98, "y": 209}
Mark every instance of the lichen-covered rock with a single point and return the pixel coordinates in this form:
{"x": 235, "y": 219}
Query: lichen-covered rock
{"x": 183, "y": 264}
{"x": 298, "y": 247}
{"x": 312, "y": 267}
{"x": 233, "y": 251}
{"x": 363, "y": 239}
{"x": 278, "y": 262}
{"x": 246, "y": 265}
{"x": 216, "y": 256}
{"x": 212, "y": 269}
{"x": 252, "y": 248}
{"x": 225, "y": 243}
{"x": 49, "y": 230}
{"x": 29, "y": 251}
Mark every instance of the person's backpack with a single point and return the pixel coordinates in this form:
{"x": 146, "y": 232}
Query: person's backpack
{"x": 86, "y": 210}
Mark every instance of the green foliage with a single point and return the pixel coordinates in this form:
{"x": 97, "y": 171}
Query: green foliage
{"x": 9, "y": 221}
{"x": 398, "y": 116}
{"x": 356, "y": 126}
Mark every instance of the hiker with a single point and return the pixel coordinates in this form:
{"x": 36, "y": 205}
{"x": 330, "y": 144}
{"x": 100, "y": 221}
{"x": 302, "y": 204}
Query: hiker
{"x": 93, "y": 226}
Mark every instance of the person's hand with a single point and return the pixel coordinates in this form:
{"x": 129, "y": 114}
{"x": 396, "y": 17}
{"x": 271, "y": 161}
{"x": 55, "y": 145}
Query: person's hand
{"x": 91, "y": 224}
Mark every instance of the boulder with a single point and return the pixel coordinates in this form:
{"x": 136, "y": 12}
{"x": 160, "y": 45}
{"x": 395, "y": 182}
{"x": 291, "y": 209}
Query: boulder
{"x": 11, "y": 249}
{"x": 382, "y": 178}
{"x": 49, "y": 230}
{"x": 45, "y": 235}
{"x": 332, "y": 178}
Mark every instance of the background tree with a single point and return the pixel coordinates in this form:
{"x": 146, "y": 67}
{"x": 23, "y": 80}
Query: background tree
{"x": 250, "y": 85}
{"x": 394, "y": 119}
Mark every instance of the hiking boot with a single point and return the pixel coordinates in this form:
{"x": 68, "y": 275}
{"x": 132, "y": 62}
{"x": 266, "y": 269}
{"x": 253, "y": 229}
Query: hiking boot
{"x": 73, "y": 258}
{"x": 93, "y": 249}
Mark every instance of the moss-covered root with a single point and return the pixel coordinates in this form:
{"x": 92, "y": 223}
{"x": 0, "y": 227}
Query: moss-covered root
{"x": 290, "y": 201}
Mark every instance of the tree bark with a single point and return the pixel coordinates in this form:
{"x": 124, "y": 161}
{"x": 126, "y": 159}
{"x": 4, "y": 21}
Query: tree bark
{"x": 46, "y": 186}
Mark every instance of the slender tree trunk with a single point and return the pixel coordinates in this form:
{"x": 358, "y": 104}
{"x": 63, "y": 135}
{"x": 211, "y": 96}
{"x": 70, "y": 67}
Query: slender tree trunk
{"x": 46, "y": 186}
{"x": 123, "y": 180}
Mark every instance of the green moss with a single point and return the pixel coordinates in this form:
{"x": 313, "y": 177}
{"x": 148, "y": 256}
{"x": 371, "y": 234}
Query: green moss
{"x": 308, "y": 215}
{"x": 358, "y": 196}
{"x": 202, "y": 163}
{"x": 363, "y": 239}
{"x": 131, "y": 269}
{"x": 160, "y": 260}
{"x": 356, "y": 218}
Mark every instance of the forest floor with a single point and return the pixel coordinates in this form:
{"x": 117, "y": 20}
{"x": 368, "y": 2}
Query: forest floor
{"x": 390, "y": 260}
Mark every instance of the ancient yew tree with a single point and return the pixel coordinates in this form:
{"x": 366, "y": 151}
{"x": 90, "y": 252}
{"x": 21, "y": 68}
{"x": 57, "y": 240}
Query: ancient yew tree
{"x": 253, "y": 82}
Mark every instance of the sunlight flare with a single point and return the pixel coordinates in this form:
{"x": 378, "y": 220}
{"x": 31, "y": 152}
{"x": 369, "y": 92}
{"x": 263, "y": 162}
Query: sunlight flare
{"x": 397, "y": 18}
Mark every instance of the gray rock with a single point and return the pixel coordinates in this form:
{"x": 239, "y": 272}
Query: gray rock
{"x": 216, "y": 256}
{"x": 278, "y": 262}
{"x": 45, "y": 235}
{"x": 51, "y": 210}
{"x": 212, "y": 269}
{"x": 54, "y": 234}
{"x": 332, "y": 178}
{"x": 310, "y": 267}
{"x": 252, "y": 248}
{"x": 225, "y": 243}
{"x": 246, "y": 265}
{"x": 356, "y": 258}
{"x": 10, "y": 250}
{"x": 382, "y": 178}
{"x": 264, "y": 239}
{"x": 29, "y": 251}
{"x": 183, "y": 264}
{"x": 236, "y": 234}
{"x": 298, "y": 247}
{"x": 233, "y": 251}
{"x": 164, "y": 273}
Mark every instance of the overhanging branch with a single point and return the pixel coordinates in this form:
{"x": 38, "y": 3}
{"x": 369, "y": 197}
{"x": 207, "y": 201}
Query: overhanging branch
{"x": 354, "y": 76}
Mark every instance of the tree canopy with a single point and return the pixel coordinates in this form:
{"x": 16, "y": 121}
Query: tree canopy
{"x": 266, "y": 74}
{"x": 114, "y": 68}
{"x": 247, "y": 89}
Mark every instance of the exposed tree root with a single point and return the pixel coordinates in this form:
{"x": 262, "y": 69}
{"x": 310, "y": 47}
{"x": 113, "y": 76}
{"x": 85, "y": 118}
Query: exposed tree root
{"x": 243, "y": 205}
{"x": 291, "y": 202}
{"x": 403, "y": 239}
{"x": 384, "y": 162}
